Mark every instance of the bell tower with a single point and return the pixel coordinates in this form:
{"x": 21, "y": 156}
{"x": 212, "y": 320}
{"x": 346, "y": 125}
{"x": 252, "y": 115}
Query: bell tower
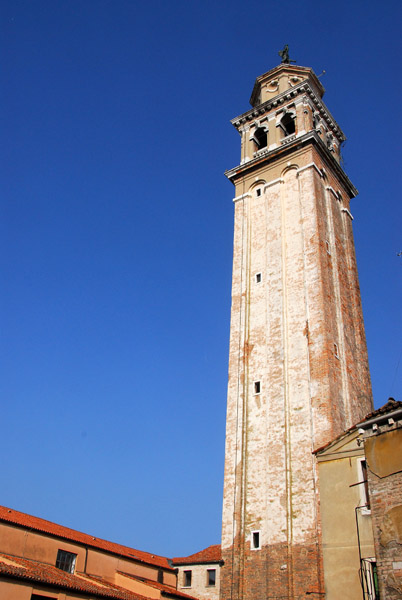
{"x": 298, "y": 367}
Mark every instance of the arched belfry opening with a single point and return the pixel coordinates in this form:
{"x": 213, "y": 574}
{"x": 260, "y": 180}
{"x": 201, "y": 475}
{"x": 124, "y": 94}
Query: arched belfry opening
{"x": 288, "y": 124}
{"x": 261, "y": 138}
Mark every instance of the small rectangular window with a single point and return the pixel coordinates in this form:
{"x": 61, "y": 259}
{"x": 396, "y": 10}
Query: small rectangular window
{"x": 259, "y": 192}
{"x": 160, "y": 576}
{"x": 211, "y": 577}
{"x": 364, "y": 490}
{"x": 257, "y": 387}
{"x": 258, "y": 277}
{"x": 255, "y": 540}
{"x": 187, "y": 578}
{"x": 66, "y": 561}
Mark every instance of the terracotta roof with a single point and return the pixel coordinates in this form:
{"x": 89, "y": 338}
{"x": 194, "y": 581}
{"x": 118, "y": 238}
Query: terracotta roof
{"x": 390, "y": 406}
{"x": 24, "y": 520}
{"x": 165, "y": 589}
{"x": 22, "y": 568}
{"x": 208, "y": 555}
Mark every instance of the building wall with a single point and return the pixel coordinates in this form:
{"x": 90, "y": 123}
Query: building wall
{"x": 345, "y": 526}
{"x": 199, "y": 587}
{"x": 384, "y": 469}
{"x": 34, "y": 545}
{"x": 300, "y": 334}
{"x": 10, "y": 590}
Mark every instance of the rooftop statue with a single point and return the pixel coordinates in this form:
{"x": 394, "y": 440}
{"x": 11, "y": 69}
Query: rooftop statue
{"x": 284, "y": 54}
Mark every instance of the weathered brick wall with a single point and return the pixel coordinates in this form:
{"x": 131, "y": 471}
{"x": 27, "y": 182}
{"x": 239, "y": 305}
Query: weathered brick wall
{"x": 299, "y": 332}
{"x": 283, "y": 334}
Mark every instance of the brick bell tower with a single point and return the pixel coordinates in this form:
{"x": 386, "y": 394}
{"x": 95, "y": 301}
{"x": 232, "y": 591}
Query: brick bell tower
{"x": 298, "y": 367}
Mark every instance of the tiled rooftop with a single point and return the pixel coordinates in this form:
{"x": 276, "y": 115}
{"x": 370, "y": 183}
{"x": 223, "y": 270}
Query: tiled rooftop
{"x": 29, "y": 570}
{"x": 208, "y": 555}
{"x": 165, "y": 589}
{"x": 390, "y": 406}
{"x": 24, "y": 520}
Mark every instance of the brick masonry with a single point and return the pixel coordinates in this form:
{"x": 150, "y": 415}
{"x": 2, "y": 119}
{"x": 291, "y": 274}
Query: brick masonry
{"x": 299, "y": 332}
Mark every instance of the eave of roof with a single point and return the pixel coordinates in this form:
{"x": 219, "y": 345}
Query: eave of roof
{"x": 392, "y": 407}
{"x": 28, "y": 521}
{"x": 212, "y": 554}
{"x": 29, "y": 570}
{"x": 383, "y": 412}
{"x": 165, "y": 589}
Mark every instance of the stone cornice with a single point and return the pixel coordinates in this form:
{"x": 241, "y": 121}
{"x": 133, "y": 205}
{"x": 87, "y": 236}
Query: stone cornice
{"x": 282, "y": 99}
{"x": 280, "y": 151}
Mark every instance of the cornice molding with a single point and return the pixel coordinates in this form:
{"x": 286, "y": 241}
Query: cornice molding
{"x": 280, "y": 151}
{"x": 242, "y": 197}
{"x": 290, "y": 95}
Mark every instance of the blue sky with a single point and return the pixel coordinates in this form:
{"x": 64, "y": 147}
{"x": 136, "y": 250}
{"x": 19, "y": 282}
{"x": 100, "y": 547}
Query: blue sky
{"x": 116, "y": 234}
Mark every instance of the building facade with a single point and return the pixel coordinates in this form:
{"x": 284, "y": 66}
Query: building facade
{"x": 349, "y": 561}
{"x": 199, "y": 573}
{"x": 298, "y": 367}
{"x": 382, "y": 437}
{"x": 41, "y": 560}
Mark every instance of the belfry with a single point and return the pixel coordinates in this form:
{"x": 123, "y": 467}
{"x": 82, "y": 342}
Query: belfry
{"x": 298, "y": 367}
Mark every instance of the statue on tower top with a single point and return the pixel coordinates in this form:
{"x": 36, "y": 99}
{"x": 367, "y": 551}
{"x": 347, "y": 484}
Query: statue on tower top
{"x": 284, "y": 54}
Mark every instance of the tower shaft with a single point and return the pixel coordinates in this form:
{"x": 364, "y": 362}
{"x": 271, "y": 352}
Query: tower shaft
{"x": 298, "y": 367}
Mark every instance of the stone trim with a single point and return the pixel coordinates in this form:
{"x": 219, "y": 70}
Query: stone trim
{"x": 309, "y": 166}
{"x": 273, "y": 182}
{"x": 242, "y": 197}
{"x": 290, "y": 95}
{"x": 310, "y": 137}
{"x": 345, "y": 210}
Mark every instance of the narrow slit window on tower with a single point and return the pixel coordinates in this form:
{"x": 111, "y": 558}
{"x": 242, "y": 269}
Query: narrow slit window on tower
{"x": 336, "y": 350}
{"x": 258, "y": 192}
{"x": 255, "y": 540}
{"x": 257, "y": 387}
{"x": 261, "y": 138}
{"x": 258, "y": 277}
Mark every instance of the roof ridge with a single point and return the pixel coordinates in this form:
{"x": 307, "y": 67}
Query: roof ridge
{"x": 37, "y": 523}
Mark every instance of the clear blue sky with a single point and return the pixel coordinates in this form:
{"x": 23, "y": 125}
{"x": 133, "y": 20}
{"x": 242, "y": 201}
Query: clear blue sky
{"x": 116, "y": 233}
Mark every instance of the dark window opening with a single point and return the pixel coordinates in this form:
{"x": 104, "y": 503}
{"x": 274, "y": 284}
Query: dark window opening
{"x": 258, "y": 277}
{"x": 42, "y": 597}
{"x": 66, "y": 561}
{"x": 261, "y": 138}
{"x": 187, "y": 578}
{"x": 365, "y": 482}
{"x": 160, "y": 576}
{"x": 288, "y": 124}
{"x": 257, "y": 387}
{"x": 256, "y": 539}
{"x": 211, "y": 577}
{"x": 259, "y": 192}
